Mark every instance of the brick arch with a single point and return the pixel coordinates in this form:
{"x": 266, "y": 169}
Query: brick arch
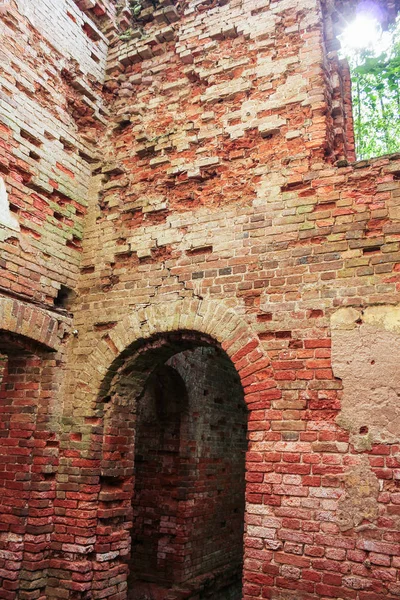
{"x": 112, "y": 463}
{"x": 134, "y": 346}
{"x": 30, "y": 322}
{"x": 208, "y": 317}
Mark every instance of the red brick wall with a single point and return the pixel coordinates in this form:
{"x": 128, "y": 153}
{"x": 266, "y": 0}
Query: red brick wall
{"x": 213, "y": 445}
{"x": 157, "y": 542}
{"x": 50, "y": 116}
{"x": 28, "y": 463}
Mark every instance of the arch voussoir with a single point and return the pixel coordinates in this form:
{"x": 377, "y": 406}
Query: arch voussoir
{"x": 239, "y": 338}
{"x": 127, "y": 330}
{"x": 187, "y": 313}
{"x": 209, "y": 317}
{"x": 32, "y": 322}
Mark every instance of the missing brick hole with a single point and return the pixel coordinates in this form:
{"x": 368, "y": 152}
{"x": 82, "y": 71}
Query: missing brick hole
{"x": 49, "y": 476}
{"x": 104, "y": 325}
{"x": 200, "y": 250}
{"x": 91, "y": 556}
{"x": 12, "y": 25}
{"x": 110, "y": 481}
{"x": 31, "y": 138}
{"x": 87, "y": 157}
{"x": 90, "y": 32}
{"x": 121, "y": 125}
{"x": 111, "y": 521}
{"x": 371, "y": 249}
{"x": 34, "y": 155}
{"x": 52, "y": 444}
{"x": 85, "y": 270}
{"x": 363, "y": 430}
{"x": 294, "y": 185}
{"x": 95, "y": 58}
{"x": 49, "y": 136}
{"x": 75, "y": 243}
{"x": 68, "y": 147}
{"x": 64, "y": 298}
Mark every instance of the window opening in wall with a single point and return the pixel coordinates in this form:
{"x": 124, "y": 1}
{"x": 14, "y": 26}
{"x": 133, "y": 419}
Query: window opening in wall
{"x": 371, "y": 47}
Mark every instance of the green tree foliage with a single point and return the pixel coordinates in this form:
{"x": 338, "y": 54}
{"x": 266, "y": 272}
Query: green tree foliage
{"x": 375, "y": 76}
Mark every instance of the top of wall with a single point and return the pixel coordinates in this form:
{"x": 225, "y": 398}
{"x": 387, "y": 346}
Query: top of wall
{"x": 71, "y": 31}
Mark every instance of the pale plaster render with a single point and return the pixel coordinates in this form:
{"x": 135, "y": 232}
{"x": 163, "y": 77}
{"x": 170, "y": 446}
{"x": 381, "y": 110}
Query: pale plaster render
{"x": 359, "y": 501}
{"x": 366, "y": 355}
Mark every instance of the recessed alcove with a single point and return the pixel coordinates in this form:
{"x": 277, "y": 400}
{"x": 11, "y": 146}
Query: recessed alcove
{"x": 184, "y": 404}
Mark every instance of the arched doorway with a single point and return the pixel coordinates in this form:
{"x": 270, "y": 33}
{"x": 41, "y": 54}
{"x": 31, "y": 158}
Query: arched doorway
{"x": 175, "y": 425}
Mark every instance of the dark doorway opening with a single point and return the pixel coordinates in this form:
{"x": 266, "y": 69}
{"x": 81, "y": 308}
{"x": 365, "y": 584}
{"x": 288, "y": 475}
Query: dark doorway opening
{"x": 190, "y": 425}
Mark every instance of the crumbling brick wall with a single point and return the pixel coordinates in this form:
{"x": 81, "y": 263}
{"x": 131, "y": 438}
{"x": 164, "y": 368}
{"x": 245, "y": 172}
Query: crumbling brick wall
{"x": 51, "y": 109}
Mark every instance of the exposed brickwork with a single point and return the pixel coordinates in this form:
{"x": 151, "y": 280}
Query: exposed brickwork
{"x": 50, "y": 97}
{"x": 194, "y": 191}
{"x": 28, "y": 462}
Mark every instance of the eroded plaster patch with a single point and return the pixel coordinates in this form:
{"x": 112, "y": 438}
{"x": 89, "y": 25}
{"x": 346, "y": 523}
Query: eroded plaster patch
{"x": 7, "y": 219}
{"x": 360, "y": 500}
{"x": 366, "y": 356}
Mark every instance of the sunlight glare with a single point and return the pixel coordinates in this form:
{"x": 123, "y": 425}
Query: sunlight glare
{"x": 363, "y": 32}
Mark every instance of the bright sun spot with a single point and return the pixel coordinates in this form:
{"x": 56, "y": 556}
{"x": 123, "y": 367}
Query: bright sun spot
{"x": 370, "y": 49}
{"x": 364, "y": 32}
